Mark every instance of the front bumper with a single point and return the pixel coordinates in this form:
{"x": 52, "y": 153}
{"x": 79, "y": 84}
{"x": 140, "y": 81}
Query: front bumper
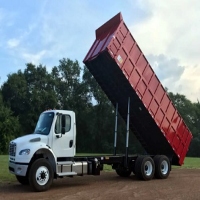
{"x": 19, "y": 169}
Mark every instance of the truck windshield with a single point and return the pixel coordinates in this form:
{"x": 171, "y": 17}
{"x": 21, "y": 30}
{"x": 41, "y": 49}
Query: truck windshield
{"x": 44, "y": 123}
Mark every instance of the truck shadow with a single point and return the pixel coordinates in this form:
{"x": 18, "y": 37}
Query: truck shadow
{"x": 75, "y": 182}
{"x": 14, "y": 187}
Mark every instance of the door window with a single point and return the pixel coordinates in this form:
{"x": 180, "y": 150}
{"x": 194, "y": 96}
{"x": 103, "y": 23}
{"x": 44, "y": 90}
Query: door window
{"x": 63, "y": 121}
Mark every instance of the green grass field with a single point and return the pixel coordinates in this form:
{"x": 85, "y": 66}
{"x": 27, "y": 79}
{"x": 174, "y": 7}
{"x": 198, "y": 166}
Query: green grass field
{"x": 5, "y": 176}
{"x": 191, "y": 163}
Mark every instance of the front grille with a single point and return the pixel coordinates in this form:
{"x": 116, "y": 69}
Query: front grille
{"x": 12, "y": 149}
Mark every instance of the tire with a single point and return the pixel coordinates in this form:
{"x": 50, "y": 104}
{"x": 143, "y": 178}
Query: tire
{"x": 23, "y": 180}
{"x": 162, "y": 166}
{"x": 123, "y": 172}
{"x": 41, "y": 175}
{"x": 144, "y": 168}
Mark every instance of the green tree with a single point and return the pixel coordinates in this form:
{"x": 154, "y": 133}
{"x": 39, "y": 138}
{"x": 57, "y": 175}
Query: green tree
{"x": 29, "y": 93}
{"x": 68, "y": 86}
{"x": 9, "y": 127}
{"x": 72, "y": 94}
{"x": 102, "y": 121}
{"x": 197, "y": 119}
{"x": 100, "y": 116}
{"x": 40, "y": 93}
{"x": 14, "y": 92}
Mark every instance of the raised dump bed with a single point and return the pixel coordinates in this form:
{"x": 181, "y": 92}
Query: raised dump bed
{"x": 121, "y": 69}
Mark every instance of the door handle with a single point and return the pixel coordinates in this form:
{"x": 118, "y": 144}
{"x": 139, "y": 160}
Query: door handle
{"x": 70, "y": 143}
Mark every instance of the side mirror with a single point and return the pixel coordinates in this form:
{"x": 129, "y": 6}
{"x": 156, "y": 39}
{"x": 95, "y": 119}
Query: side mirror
{"x": 63, "y": 130}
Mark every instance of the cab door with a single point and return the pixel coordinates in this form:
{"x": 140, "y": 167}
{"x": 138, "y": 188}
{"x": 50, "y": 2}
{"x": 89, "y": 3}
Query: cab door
{"x": 63, "y": 137}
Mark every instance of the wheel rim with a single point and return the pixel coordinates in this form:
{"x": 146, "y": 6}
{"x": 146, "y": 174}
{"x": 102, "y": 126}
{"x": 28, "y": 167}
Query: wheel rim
{"x": 148, "y": 168}
{"x": 164, "y": 167}
{"x": 42, "y": 175}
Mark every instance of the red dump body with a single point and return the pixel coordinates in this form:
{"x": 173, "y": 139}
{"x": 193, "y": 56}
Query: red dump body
{"x": 121, "y": 69}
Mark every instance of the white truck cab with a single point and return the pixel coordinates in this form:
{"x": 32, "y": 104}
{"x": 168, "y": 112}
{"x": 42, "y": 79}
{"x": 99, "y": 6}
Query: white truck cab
{"x": 48, "y": 152}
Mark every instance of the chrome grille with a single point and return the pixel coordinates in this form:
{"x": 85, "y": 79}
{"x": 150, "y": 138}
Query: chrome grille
{"x": 12, "y": 149}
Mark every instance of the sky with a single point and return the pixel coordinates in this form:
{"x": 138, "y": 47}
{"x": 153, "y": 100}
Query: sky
{"x": 45, "y": 31}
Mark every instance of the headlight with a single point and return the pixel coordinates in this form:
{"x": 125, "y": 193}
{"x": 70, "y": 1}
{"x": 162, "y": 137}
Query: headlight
{"x": 24, "y": 152}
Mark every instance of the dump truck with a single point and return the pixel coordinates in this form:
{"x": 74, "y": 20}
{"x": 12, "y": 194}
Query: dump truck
{"x": 124, "y": 74}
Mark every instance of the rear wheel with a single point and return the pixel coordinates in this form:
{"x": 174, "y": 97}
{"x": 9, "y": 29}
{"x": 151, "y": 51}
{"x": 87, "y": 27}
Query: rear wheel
{"x": 123, "y": 172}
{"x": 41, "y": 175}
{"x": 144, "y": 168}
{"x": 162, "y": 166}
{"x": 23, "y": 180}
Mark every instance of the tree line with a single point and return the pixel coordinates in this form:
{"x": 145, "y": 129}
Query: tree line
{"x": 67, "y": 86}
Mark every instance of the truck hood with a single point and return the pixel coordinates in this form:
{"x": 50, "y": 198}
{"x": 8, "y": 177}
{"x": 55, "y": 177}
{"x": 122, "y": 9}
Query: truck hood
{"x": 30, "y": 139}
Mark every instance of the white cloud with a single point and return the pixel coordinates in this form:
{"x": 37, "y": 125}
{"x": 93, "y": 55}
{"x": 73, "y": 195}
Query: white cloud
{"x": 62, "y": 32}
{"x": 13, "y": 43}
{"x": 172, "y": 30}
{"x": 177, "y": 78}
{"x": 165, "y": 68}
{"x": 34, "y": 58}
{"x": 190, "y": 82}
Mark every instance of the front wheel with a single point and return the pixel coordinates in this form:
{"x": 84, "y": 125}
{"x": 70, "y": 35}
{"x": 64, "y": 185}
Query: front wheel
{"x": 41, "y": 175}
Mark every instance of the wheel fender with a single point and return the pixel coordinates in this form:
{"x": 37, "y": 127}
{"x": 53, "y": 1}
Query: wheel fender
{"x": 44, "y": 152}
